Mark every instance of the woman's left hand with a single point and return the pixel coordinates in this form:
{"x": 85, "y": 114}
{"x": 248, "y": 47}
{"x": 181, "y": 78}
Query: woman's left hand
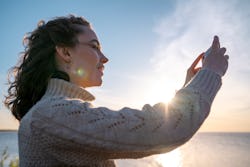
{"x": 192, "y": 70}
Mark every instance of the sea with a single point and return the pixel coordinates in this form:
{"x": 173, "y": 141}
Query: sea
{"x": 203, "y": 150}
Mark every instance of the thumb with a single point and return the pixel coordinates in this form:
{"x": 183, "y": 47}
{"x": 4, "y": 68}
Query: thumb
{"x": 197, "y": 69}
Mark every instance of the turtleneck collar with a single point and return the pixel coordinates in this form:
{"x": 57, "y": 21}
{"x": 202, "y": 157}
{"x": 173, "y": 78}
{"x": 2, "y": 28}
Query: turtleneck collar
{"x": 59, "y": 87}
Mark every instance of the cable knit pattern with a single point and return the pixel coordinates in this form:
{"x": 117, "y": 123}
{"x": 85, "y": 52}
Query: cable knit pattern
{"x": 64, "y": 129}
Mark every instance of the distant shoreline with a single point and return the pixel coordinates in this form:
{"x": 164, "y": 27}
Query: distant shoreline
{"x": 15, "y": 130}
{"x": 8, "y": 130}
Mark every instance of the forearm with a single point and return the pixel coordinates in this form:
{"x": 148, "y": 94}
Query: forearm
{"x": 207, "y": 83}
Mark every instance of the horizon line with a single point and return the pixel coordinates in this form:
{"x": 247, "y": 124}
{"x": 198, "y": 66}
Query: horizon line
{"x": 15, "y": 130}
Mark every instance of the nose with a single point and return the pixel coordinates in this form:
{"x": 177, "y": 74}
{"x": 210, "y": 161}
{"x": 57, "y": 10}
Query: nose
{"x": 103, "y": 58}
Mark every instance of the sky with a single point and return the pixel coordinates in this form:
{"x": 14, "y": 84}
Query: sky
{"x": 150, "y": 44}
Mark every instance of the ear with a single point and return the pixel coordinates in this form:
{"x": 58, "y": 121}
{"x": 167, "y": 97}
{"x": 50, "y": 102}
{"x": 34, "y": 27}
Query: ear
{"x": 63, "y": 54}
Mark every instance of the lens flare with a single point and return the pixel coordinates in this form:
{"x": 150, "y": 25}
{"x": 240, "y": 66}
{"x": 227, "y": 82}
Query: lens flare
{"x": 80, "y": 72}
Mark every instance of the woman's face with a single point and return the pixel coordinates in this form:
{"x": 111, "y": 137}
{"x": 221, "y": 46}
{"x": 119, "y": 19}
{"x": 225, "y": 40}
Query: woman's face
{"x": 87, "y": 60}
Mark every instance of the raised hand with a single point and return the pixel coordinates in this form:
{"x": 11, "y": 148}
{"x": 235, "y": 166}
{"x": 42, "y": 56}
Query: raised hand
{"x": 216, "y": 60}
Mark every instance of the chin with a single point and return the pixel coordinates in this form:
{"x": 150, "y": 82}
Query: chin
{"x": 91, "y": 83}
{"x": 97, "y": 83}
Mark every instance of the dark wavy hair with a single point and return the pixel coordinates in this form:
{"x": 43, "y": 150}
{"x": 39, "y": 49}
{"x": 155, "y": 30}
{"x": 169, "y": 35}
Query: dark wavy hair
{"x": 37, "y": 64}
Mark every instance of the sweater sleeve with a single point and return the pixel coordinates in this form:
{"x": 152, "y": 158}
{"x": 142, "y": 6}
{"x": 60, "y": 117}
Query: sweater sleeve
{"x": 129, "y": 133}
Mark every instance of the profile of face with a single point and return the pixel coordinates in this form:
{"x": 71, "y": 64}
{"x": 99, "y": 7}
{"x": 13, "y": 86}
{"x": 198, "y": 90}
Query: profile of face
{"x": 84, "y": 63}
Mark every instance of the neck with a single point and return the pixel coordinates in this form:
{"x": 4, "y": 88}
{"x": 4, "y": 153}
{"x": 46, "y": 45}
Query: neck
{"x": 60, "y": 87}
{"x": 60, "y": 75}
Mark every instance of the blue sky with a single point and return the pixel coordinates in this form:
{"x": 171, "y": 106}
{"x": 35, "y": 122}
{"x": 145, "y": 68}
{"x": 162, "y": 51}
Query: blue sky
{"x": 150, "y": 44}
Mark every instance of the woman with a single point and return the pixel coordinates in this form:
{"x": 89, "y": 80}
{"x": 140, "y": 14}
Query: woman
{"x": 58, "y": 125}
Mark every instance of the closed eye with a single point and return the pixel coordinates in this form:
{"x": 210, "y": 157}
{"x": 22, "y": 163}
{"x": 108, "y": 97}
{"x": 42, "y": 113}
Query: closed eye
{"x": 96, "y": 46}
{"x": 93, "y": 44}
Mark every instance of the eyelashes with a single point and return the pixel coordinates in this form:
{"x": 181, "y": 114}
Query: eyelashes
{"x": 96, "y": 47}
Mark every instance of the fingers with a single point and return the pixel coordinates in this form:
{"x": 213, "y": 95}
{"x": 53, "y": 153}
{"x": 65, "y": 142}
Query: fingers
{"x": 216, "y": 43}
{"x": 216, "y": 61}
{"x": 196, "y": 61}
{"x": 222, "y": 51}
{"x": 227, "y": 57}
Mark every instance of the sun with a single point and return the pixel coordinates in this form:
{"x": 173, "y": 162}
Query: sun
{"x": 161, "y": 90}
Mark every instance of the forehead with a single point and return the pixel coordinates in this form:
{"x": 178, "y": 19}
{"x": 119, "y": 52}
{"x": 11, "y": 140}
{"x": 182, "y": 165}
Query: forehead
{"x": 88, "y": 34}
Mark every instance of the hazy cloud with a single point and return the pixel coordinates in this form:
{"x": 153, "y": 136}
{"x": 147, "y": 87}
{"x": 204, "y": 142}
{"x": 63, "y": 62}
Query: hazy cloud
{"x": 189, "y": 30}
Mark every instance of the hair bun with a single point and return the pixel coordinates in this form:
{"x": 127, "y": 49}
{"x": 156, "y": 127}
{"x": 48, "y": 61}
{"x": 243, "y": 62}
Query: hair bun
{"x": 41, "y": 23}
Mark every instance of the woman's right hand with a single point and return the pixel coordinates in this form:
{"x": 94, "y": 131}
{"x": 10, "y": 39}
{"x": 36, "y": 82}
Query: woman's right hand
{"x": 216, "y": 60}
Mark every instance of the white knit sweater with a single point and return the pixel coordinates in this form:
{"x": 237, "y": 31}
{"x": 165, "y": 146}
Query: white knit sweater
{"x": 64, "y": 129}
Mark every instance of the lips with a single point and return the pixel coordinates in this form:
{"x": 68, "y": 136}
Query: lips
{"x": 101, "y": 68}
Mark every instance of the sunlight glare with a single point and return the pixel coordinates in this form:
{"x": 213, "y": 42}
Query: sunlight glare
{"x": 171, "y": 159}
{"x": 161, "y": 91}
